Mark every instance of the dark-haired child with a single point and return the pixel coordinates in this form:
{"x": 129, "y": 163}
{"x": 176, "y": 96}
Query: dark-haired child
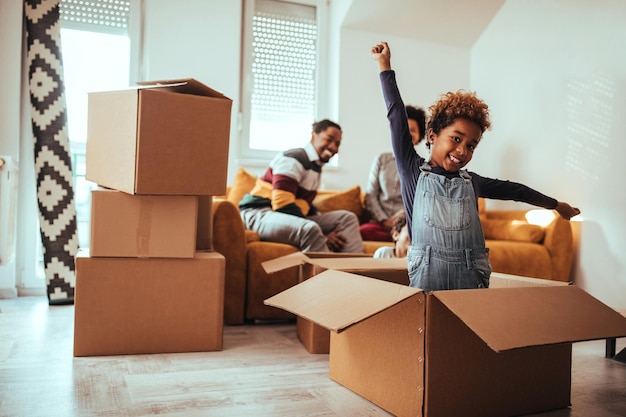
{"x": 440, "y": 198}
{"x": 382, "y": 194}
{"x": 400, "y": 237}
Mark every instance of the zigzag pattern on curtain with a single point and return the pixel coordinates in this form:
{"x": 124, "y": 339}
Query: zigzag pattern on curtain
{"x": 53, "y": 165}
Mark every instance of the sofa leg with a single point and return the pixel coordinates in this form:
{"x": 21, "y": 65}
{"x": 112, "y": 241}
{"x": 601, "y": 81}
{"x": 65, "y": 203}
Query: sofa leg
{"x": 610, "y": 351}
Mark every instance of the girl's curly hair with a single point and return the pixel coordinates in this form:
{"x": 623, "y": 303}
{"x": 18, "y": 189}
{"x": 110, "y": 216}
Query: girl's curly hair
{"x": 459, "y": 104}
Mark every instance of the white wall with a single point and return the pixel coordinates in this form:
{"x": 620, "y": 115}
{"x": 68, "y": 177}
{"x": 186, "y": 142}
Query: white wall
{"x": 11, "y": 57}
{"x": 553, "y": 74}
{"x": 201, "y": 40}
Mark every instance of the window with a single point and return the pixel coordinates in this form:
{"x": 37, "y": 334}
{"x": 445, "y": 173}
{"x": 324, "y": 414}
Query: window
{"x": 280, "y": 88}
{"x": 96, "y": 57}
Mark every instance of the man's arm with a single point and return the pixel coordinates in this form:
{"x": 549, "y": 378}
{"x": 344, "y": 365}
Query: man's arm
{"x": 287, "y": 174}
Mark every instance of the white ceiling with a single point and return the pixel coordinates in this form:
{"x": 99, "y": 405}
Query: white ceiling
{"x": 451, "y": 22}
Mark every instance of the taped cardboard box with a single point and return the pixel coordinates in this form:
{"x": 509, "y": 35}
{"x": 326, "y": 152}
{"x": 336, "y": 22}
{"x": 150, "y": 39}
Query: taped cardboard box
{"x": 127, "y": 306}
{"x": 125, "y": 225}
{"x": 315, "y": 338}
{"x": 472, "y": 353}
{"x": 162, "y": 138}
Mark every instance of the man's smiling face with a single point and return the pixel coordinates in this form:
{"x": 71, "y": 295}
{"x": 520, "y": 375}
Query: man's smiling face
{"x": 326, "y": 143}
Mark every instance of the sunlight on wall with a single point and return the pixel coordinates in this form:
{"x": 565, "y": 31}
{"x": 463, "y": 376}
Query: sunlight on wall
{"x": 92, "y": 61}
{"x": 590, "y": 113}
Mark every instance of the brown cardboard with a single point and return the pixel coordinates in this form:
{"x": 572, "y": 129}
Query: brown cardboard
{"x": 167, "y": 138}
{"x": 125, "y": 225}
{"x": 128, "y": 306}
{"x": 204, "y": 232}
{"x": 482, "y": 353}
{"x": 517, "y": 381}
{"x": 315, "y": 338}
{"x": 501, "y": 280}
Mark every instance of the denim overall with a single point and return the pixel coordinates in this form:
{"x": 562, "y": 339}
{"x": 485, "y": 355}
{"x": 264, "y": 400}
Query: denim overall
{"x": 448, "y": 246}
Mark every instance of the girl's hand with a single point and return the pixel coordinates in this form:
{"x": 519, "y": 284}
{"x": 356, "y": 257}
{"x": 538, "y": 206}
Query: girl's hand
{"x": 382, "y": 54}
{"x": 566, "y": 211}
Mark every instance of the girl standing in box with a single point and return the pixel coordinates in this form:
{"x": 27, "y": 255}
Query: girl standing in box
{"x": 440, "y": 198}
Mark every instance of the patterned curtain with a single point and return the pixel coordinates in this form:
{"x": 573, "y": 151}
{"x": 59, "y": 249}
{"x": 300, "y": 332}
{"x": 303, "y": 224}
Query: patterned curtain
{"x": 53, "y": 165}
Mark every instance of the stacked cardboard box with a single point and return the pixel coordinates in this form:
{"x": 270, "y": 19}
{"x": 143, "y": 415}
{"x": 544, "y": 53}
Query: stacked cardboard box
{"x": 150, "y": 282}
{"x": 500, "y": 351}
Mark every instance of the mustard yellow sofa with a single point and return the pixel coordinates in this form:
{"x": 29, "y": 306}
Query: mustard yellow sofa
{"x": 516, "y": 247}
{"x": 247, "y": 285}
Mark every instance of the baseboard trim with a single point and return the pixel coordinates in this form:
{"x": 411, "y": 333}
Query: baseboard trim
{"x": 30, "y": 292}
{"x": 6, "y": 293}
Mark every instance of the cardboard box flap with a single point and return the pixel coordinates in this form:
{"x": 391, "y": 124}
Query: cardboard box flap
{"x": 500, "y": 280}
{"x": 183, "y": 86}
{"x": 335, "y": 300}
{"x": 284, "y": 262}
{"x": 361, "y": 264}
{"x": 352, "y": 263}
{"x": 510, "y": 318}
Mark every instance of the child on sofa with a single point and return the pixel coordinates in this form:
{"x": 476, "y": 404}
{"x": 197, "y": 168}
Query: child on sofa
{"x": 400, "y": 236}
{"x": 382, "y": 195}
{"x": 447, "y": 243}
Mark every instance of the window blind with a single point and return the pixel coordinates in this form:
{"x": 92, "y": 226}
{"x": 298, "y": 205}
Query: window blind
{"x": 108, "y": 16}
{"x": 284, "y": 64}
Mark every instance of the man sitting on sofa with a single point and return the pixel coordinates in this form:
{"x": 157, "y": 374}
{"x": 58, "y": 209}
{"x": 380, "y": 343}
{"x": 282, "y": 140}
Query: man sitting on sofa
{"x": 280, "y": 206}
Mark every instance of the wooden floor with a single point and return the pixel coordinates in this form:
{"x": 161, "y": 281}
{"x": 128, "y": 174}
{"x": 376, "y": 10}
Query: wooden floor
{"x": 262, "y": 371}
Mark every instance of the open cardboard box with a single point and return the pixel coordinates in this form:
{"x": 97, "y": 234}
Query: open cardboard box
{"x": 315, "y": 338}
{"x": 127, "y": 306}
{"x": 484, "y": 352}
{"x": 167, "y": 137}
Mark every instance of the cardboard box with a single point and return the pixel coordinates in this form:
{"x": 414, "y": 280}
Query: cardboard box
{"x": 472, "y": 353}
{"x": 163, "y": 138}
{"x": 125, "y": 225}
{"x": 501, "y": 280}
{"x": 315, "y": 338}
{"x": 126, "y": 306}
{"x": 204, "y": 232}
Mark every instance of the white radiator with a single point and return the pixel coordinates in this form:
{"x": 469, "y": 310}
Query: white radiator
{"x": 8, "y": 207}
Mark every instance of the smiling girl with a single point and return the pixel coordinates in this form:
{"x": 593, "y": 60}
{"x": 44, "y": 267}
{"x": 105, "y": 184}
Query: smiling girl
{"x": 441, "y": 198}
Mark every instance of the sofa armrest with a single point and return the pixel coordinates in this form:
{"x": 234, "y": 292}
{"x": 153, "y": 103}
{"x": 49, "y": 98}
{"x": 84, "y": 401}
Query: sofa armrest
{"x": 560, "y": 243}
{"x": 252, "y": 236}
{"x": 261, "y": 285}
{"x": 229, "y": 240}
{"x": 370, "y": 246}
{"x": 558, "y": 240}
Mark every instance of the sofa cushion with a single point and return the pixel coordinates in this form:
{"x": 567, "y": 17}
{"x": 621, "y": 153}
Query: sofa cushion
{"x": 520, "y": 258}
{"x": 516, "y": 230}
{"x": 244, "y": 181}
{"x": 348, "y": 199}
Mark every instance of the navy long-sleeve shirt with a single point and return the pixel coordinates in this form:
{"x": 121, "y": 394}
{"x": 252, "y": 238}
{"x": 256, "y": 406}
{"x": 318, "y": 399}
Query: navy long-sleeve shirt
{"x": 409, "y": 162}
